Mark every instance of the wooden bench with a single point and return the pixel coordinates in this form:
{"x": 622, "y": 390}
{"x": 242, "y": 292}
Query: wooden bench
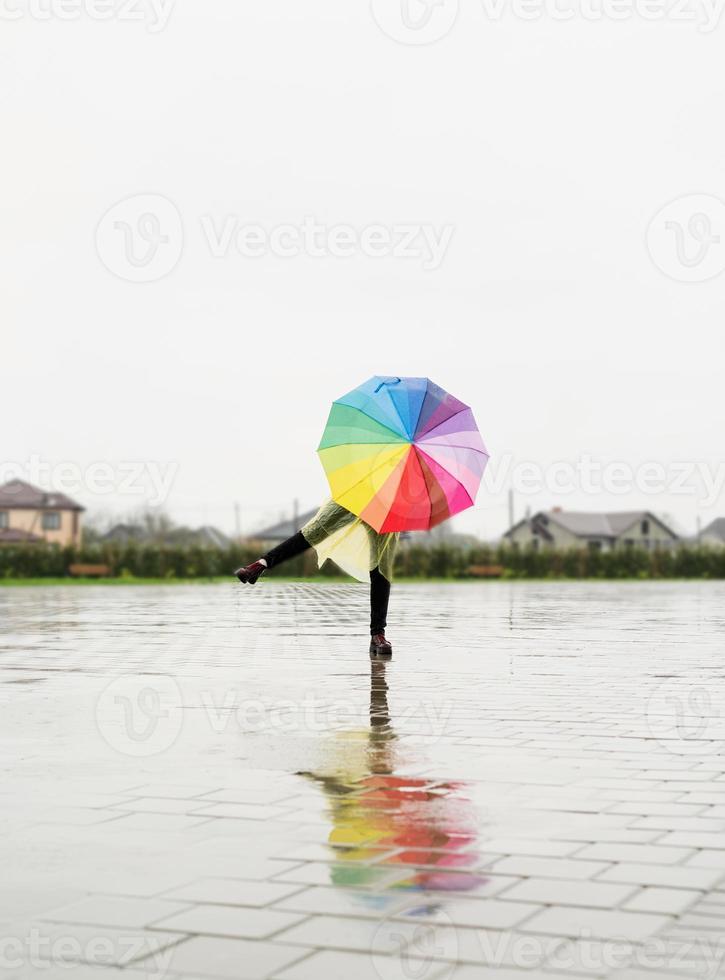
{"x": 89, "y": 571}
{"x": 485, "y": 571}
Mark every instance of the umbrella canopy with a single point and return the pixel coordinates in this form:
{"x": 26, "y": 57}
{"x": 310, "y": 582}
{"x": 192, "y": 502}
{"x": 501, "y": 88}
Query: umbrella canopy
{"x": 402, "y": 454}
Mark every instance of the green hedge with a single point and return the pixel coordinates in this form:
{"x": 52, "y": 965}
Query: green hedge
{"x": 414, "y": 561}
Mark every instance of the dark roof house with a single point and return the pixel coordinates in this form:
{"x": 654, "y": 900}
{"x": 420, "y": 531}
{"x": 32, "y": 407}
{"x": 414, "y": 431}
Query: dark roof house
{"x": 558, "y": 528}
{"x": 19, "y": 495}
{"x": 283, "y": 529}
{"x": 714, "y": 533}
{"x": 29, "y": 514}
{"x": 202, "y": 537}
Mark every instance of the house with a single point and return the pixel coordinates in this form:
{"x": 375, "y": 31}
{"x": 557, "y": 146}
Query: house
{"x": 714, "y": 534}
{"x": 28, "y": 514}
{"x": 125, "y": 534}
{"x": 270, "y": 536}
{"x": 184, "y": 537}
{"x": 558, "y": 528}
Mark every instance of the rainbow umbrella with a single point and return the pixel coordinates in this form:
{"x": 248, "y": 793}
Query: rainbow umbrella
{"x": 402, "y": 454}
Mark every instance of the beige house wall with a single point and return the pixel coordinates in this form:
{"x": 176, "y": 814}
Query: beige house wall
{"x": 523, "y": 536}
{"x": 563, "y": 538}
{"x": 27, "y": 519}
{"x": 656, "y": 536}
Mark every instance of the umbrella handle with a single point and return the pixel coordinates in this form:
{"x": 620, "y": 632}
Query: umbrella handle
{"x": 383, "y": 383}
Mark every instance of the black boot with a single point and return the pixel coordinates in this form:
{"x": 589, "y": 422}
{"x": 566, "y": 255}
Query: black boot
{"x": 250, "y": 573}
{"x": 379, "y": 646}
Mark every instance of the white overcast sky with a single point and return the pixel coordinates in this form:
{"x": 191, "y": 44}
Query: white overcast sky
{"x": 544, "y": 146}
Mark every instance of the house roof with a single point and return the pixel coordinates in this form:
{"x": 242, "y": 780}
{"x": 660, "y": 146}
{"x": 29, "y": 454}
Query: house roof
{"x": 124, "y": 532}
{"x": 206, "y": 536}
{"x": 593, "y": 524}
{"x": 19, "y": 495}
{"x": 15, "y": 535}
{"x": 716, "y": 528}
{"x": 283, "y": 529}
{"x": 210, "y": 536}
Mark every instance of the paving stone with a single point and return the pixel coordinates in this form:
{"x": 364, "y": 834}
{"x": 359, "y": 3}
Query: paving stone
{"x": 345, "y": 901}
{"x": 435, "y": 941}
{"x": 590, "y": 957}
{"x": 232, "y": 959}
{"x": 549, "y": 867}
{"x": 241, "y": 811}
{"x": 109, "y": 910}
{"x": 231, "y": 891}
{"x": 596, "y": 894}
{"x": 535, "y": 848}
{"x": 652, "y": 874}
{"x": 480, "y": 913}
{"x": 670, "y": 901}
{"x": 564, "y": 921}
{"x": 635, "y": 853}
{"x": 98, "y": 945}
{"x": 678, "y": 839}
{"x": 223, "y": 920}
{"x": 336, "y": 965}
{"x": 320, "y": 873}
{"x": 707, "y": 859}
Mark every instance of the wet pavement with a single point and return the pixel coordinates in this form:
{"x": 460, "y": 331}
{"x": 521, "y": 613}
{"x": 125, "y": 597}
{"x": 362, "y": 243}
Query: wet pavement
{"x": 213, "y": 781}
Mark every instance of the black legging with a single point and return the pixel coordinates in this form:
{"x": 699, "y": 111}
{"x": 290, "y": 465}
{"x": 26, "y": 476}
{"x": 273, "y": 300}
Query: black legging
{"x": 379, "y": 585}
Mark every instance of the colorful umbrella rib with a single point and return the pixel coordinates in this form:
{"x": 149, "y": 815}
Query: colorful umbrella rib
{"x": 402, "y": 454}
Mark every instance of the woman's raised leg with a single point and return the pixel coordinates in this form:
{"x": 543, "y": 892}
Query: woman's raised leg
{"x": 290, "y": 548}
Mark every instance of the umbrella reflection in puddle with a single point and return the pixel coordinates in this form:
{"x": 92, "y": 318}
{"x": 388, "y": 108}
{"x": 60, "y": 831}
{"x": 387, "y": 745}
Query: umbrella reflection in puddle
{"x": 394, "y": 835}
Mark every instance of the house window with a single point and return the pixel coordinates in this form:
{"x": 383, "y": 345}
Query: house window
{"x": 645, "y": 527}
{"x": 595, "y": 545}
{"x": 51, "y": 521}
{"x": 3, "y": 519}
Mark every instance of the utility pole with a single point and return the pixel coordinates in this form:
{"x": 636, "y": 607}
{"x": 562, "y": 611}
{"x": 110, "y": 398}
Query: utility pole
{"x": 237, "y": 522}
{"x": 511, "y": 507}
{"x": 295, "y": 513}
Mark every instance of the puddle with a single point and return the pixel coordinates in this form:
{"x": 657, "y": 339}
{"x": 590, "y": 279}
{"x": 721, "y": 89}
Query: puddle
{"x": 421, "y": 830}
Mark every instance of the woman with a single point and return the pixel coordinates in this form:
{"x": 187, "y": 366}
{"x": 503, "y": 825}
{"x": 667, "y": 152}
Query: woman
{"x": 357, "y": 548}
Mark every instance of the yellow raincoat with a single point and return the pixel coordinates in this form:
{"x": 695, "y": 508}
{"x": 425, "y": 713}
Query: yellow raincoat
{"x": 352, "y": 544}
